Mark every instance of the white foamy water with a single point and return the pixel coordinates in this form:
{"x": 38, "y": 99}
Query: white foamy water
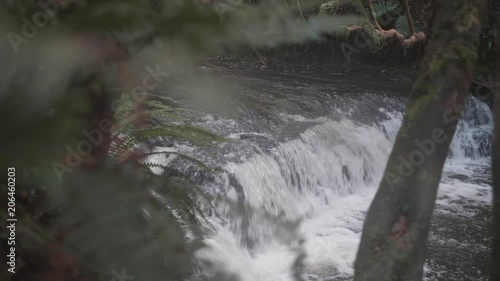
{"x": 309, "y": 196}
{"x": 472, "y": 139}
{"x": 326, "y": 178}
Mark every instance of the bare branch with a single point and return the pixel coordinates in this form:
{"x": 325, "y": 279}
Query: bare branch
{"x": 408, "y": 16}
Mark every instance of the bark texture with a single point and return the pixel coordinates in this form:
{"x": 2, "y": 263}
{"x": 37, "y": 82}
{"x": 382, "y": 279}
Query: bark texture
{"x": 395, "y": 232}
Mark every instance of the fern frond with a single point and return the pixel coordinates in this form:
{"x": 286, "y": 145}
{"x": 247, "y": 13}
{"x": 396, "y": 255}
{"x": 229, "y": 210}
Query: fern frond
{"x": 193, "y": 191}
{"x": 158, "y": 105}
{"x": 122, "y": 143}
{"x": 123, "y": 108}
{"x": 194, "y": 134}
{"x": 382, "y": 7}
{"x": 402, "y": 26}
{"x": 157, "y": 113}
{"x": 181, "y": 155}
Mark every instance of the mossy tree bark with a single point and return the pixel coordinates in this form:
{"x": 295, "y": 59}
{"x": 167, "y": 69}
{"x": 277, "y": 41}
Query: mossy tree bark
{"x": 393, "y": 243}
{"x": 495, "y": 261}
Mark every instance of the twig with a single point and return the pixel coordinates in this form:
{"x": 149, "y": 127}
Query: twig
{"x": 373, "y": 16}
{"x": 408, "y": 15}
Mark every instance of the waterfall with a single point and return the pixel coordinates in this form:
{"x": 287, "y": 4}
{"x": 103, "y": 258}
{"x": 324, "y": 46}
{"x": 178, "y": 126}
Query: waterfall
{"x": 311, "y": 193}
{"x": 473, "y": 136}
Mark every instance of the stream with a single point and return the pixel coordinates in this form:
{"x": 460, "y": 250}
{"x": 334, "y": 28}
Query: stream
{"x": 307, "y": 151}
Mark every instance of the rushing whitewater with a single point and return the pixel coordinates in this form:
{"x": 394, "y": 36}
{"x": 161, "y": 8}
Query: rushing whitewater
{"x": 304, "y": 202}
{"x": 307, "y": 155}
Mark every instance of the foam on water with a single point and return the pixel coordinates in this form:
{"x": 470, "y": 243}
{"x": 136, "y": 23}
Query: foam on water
{"x": 326, "y": 179}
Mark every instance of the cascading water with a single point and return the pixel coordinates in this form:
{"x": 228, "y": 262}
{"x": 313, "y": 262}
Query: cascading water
{"x": 473, "y": 137}
{"x": 308, "y": 153}
{"x": 318, "y": 177}
{"x": 325, "y": 179}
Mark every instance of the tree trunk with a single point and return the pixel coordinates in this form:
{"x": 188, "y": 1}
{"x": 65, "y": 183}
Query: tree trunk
{"x": 393, "y": 243}
{"x": 495, "y": 261}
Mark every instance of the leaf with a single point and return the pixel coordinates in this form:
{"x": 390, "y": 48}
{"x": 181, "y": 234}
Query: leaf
{"x": 190, "y": 133}
{"x": 381, "y": 7}
{"x": 182, "y": 155}
{"x": 402, "y": 26}
{"x": 159, "y": 105}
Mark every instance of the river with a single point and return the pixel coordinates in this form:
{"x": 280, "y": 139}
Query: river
{"x": 307, "y": 151}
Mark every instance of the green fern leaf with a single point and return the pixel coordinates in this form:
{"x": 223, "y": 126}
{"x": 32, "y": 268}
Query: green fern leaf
{"x": 183, "y": 156}
{"x": 381, "y": 7}
{"x": 402, "y": 26}
{"x": 196, "y": 135}
{"x": 162, "y": 106}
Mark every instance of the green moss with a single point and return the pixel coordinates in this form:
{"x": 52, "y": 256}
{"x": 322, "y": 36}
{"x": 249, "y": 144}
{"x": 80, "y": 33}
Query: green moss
{"x": 427, "y": 89}
{"x": 415, "y": 108}
{"x": 468, "y": 55}
{"x": 468, "y": 16}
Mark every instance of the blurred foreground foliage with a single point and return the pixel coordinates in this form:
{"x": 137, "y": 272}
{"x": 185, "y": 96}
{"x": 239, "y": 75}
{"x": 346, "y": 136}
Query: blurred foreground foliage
{"x": 79, "y": 101}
